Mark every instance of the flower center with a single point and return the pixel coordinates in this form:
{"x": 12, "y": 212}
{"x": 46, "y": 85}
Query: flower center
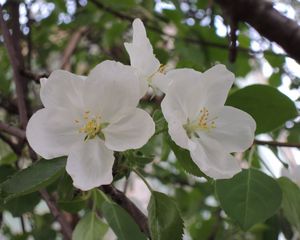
{"x": 202, "y": 123}
{"x": 91, "y": 126}
{"x": 162, "y": 69}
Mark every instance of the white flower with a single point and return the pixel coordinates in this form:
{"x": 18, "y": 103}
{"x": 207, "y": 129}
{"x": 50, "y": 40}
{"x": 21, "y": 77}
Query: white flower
{"x": 88, "y": 119}
{"x": 199, "y": 121}
{"x": 149, "y": 70}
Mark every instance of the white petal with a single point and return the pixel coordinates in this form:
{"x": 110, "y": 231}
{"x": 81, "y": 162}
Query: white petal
{"x": 90, "y": 164}
{"x": 178, "y": 133}
{"x": 62, "y": 89}
{"x": 234, "y": 129}
{"x": 52, "y": 132}
{"x": 111, "y": 90}
{"x": 190, "y": 91}
{"x": 130, "y": 132}
{"x": 212, "y": 159}
{"x": 141, "y": 52}
{"x": 161, "y": 81}
{"x": 217, "y": 83}
{"x": 185, "y": 94}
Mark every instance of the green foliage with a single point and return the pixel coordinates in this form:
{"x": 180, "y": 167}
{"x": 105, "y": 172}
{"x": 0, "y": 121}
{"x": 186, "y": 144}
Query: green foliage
{"x": 185, "y": 34}
{"x": 22, "y": 204}
{"x": 33, "y": 178}
{"x": 249, "y": 197}
{"x": 90, "y": 227}
{"x": 269, "y": 107}
{"x": 74, "y": 205}
{"x": 118, "y": 219}
{"x": 290, "y": 201}
{"x": 165, "y": 221}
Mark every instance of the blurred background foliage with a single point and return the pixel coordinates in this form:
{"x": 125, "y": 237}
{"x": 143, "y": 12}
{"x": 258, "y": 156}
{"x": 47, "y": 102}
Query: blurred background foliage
{"x": 78, "y": 34}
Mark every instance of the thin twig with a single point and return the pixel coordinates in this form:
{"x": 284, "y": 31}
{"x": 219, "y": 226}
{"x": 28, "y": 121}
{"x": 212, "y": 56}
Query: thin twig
{"x": 33, "y": 76}
{"x": 276, "y": 144}
{"x": 65, "y": 226}
{"x": 17, "y": 132}
{"x": 23, "y": 224}
{"x": 14, "y": 146}
{"x": 71, "y": 47}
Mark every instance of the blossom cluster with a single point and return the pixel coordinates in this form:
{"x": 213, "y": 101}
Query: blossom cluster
{"x": 88, "y": 118}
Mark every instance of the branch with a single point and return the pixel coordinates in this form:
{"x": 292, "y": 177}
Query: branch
{"x": 19, "y": 133}
{"x": 276, "y": 144}
{"x": 120, "y": 198}
{"x": 71, "y": 46}
{"x": 270, "y": 23}
{"x": 156, "y": 29}
{"x": 33, "y": 76}
{"x": 65, "y": 226}
{"x": 15, "y": 147}
{"x": 15, "y": 61}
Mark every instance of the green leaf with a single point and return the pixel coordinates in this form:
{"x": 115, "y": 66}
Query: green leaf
{"x": 121, "y": 223}
{"x": 268, "y": 106}
{"x": 5, "y": 172}
{"x": 90, "y": 227}
{"x": 184, "y": 158}
{"x": 74, "y": 205}
{"x": 290, "y": 201}
{"x": 249, "y": 197}
{"x": 22, "y": 204}
{"x": 33, "y": 178}
{"x": 164, "y": 219}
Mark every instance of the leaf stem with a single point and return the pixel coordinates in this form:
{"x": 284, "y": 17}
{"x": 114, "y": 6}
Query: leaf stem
{"x": 144, "y": 180}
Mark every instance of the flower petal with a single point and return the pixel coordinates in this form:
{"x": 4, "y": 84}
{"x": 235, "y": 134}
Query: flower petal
{"x": 178, "y": 134}
{"x": 161, "y": 81}
{"x": 141, "y": 52}
{"x": 90, "y": 164}
{"x": 111, "y": 90}
{"x": 52, "y": 132}
{"x": 217, "y": 82}
{"x": 234, "y": 129}
{"x": 62, "y": 89}
{"x": 185, "y": 94}
{"x": 130, "y": 132}
{"x": 211, "y": 158}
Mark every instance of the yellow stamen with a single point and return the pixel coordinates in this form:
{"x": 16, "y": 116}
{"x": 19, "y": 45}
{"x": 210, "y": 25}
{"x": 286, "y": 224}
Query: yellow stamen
{"x": 204, "y": 123}
{"x": 162, "y": 68}
{"x": 91, "y": 126}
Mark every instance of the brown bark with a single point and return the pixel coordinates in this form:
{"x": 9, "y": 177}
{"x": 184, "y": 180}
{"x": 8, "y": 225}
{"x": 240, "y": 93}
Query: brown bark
{"x": 270, "y": 23}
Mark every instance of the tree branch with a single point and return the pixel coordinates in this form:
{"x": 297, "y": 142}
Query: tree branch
{"x": 15, "y": 61}
{"x": 65, "y": 226}
{"x": 15, "y": 147}
{"x": 19, "y": 133}
{"x": 270, "y": 23}
{"x": 198, "y": 41}
{"x": 120, "y": 198}
{"x": 276, "y": 144}
{"x": 71, "y": 46}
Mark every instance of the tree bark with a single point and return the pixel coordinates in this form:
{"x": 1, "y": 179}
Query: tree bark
{"x": 270, "y": 23}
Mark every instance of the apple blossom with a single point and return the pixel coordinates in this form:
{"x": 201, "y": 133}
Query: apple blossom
{"x": 142, "y": 59}
{"x": 89, "y": 118}
{"x": 199, "y": 121}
